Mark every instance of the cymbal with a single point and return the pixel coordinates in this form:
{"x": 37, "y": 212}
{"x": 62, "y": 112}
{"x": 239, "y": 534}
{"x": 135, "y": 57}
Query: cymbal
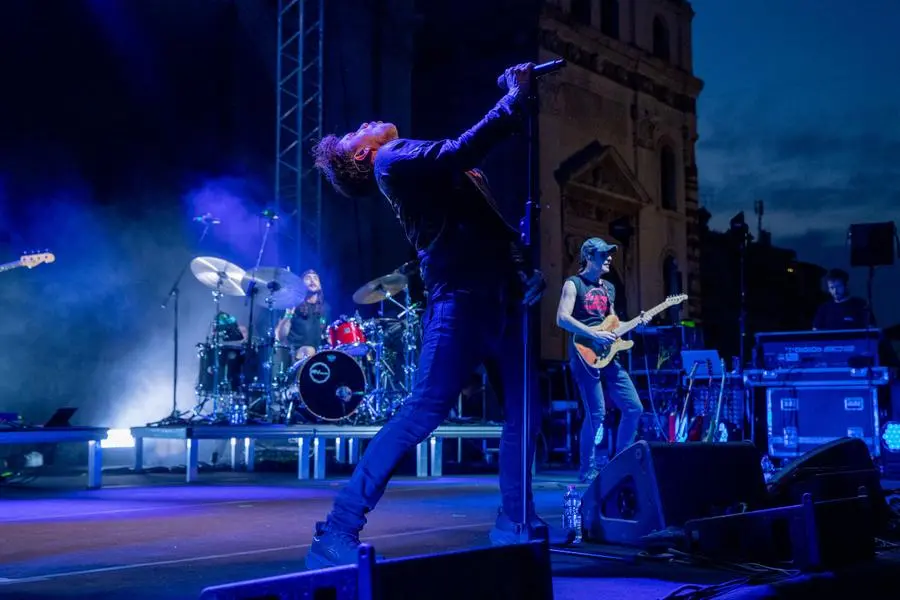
{"x": 286, "y": 289}
{"x": 216, "y": 273}
{"x": 379, "y": 289}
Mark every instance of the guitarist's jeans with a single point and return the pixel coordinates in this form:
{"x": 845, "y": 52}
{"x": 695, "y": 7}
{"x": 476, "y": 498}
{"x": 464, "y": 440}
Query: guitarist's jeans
{"x": 595, "y": 385}
{"x": 462, "y": 330}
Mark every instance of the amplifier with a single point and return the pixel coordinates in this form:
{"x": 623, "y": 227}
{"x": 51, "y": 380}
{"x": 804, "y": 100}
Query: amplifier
{"x": 879, "y": 376}
{"x": 802, "y": 418}
{"x": 660, "y": 347}
{"x": 817, "y": 349}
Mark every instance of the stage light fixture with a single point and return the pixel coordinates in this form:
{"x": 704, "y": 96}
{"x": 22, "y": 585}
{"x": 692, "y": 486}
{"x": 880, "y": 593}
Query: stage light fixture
{"x": 118, "y": 438}
{"x": 890, "y": 436}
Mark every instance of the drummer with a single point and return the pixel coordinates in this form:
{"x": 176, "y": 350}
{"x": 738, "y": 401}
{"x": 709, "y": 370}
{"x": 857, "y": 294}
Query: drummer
{"x": 302, "y": 328}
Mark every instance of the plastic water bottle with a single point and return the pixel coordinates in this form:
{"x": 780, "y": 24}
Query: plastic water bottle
{"x": 572, "y": 512}
{"x": 768, "y": 468}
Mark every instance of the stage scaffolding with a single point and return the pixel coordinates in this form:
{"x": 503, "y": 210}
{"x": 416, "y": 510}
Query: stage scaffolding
{"x": 298, "y": 186}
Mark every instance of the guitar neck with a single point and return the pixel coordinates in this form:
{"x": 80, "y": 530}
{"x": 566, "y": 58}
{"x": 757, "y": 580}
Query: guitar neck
{"x": 10, "y": 266}
{"x": 629, "y": 325}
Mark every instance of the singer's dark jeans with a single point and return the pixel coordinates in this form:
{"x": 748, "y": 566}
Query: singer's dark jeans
{"x": 462, "y": 330}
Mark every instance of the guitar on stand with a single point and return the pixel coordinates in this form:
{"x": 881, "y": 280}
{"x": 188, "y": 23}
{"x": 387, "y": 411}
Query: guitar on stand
{"x": 599, "y": 355}
{"x": 681, "y": 423}
{"x": 29, "y": 261}
{"x": 696, "y": 428}
{"x": 712, "y": 431}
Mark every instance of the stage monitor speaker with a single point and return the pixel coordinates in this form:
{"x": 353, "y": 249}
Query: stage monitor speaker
{"x": 832, "y": 471}
{"x": 652, "y": 486}
{"x": 872, "y": 244}
{"x": 499, "y": 573}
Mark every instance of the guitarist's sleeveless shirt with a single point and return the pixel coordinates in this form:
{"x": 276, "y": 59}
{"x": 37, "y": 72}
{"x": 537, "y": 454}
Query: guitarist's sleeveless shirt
{"x": 593, "y": 299}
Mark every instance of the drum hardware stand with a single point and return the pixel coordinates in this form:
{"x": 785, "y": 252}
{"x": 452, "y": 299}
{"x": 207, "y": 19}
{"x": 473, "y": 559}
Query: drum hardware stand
{"x": 409, "y": 338}
{"x": 216, "y": 349}
{"x": 175, "y": 418}
{"x": 378, "y": 401}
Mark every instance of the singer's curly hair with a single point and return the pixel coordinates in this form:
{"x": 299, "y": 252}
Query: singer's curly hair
{"x": 348, "y": 176}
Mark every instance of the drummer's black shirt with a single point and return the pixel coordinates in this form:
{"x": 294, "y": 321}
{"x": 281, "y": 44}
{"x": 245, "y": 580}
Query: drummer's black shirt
{"x": 306, "y": 329}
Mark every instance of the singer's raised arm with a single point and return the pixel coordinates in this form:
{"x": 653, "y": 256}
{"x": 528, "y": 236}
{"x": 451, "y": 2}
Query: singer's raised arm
{"x": 464, "y": 153}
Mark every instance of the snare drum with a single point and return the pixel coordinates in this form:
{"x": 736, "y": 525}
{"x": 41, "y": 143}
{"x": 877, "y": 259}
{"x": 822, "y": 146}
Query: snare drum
{"x": 327, "y": 387}
{"x": 347, "y": 335}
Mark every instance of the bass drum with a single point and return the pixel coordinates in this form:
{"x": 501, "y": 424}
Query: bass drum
{"x": 327, "y": 387}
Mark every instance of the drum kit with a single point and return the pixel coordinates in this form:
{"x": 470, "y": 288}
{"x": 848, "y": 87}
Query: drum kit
{"x": 362, "y": 372}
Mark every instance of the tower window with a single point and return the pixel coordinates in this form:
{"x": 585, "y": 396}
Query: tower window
{"x": 668, "y": 187}
{"x": 609, "y": 18}
{"x": 661, "y": 41}
{"x": 581, "y": 11}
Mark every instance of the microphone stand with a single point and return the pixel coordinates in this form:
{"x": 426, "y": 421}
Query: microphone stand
{"x": 174, "y": 417}
{"x": 529, "y": 230}
{"x": 270, "y": 218}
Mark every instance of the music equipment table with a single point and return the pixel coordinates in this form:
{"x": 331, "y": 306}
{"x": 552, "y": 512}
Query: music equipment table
{"x": 310, "y": 440}
{"x": 64, "y": 435}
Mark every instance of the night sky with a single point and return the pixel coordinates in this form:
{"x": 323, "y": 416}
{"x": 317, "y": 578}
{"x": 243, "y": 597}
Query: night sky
{"x": 800, "y": 111}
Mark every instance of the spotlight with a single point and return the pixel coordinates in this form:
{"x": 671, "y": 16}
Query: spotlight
{"x": 118, "y": 438}
{"x": 890, "y": 436}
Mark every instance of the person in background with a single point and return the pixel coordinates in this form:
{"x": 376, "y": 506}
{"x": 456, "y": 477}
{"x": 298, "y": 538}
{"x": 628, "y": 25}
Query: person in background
{"x": 302, "y": 328}
{"x": 842, "y": 311}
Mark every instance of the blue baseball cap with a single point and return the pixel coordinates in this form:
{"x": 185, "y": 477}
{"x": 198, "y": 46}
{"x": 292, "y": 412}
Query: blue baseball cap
{"x": 593, "y": 246}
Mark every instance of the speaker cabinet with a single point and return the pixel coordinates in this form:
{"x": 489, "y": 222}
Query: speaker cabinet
{"x": 872, "y": 244}
{"x": 651, "y": 486}
{"x": 838, "y": 469}
{"x": 499, "y": 573}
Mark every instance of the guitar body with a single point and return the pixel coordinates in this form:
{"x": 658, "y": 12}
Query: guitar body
{"x": 598, "y": 355}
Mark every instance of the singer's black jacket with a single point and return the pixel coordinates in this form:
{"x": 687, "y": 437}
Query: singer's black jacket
{"x": 446, "y": 208}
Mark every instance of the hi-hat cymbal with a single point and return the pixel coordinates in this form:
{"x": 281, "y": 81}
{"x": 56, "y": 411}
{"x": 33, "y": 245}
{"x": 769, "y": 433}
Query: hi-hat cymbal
{"x": 286, "y": 289}
{"x": 379, "y": 289}
{"x": 216, "y": 273}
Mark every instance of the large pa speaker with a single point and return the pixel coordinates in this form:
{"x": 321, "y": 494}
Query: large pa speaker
{"x": 838, "y": 469}
{"x": 652, "y": 486}
{"x": 499, "y": 573}
{"x": 872, "y": 244}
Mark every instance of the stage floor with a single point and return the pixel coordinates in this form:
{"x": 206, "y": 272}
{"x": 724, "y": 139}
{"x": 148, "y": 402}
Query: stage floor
{"x": 152, "y": 536}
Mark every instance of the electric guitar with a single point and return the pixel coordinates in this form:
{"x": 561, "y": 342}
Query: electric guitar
{"x": 681, "y": 422}
{"x": 713, "y": 430}
{"x": 598, "y": 355}
{"x": 696, "y": 428}
{"x": 29, "y": 261}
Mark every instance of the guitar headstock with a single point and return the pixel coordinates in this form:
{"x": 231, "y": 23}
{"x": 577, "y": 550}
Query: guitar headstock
{"x": 36, "y": 258}
{"x": 675, "y": 299}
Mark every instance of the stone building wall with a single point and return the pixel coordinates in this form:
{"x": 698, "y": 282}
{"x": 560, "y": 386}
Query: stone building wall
{"x": 618, "y": 128}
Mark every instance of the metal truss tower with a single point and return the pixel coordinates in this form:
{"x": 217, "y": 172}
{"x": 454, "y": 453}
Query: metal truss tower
{"x": 300, "y": 73}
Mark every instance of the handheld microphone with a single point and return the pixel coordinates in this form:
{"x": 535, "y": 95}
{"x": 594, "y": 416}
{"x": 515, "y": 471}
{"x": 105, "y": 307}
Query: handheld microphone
{"x": 538, "y": 71}
{"x": 207, "y": 219}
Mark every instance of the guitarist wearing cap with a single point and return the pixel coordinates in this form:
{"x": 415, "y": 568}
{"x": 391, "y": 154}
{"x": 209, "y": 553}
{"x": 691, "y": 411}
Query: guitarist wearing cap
{"x": 587, "y": 299}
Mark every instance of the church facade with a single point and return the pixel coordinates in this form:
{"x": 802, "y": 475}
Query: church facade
{"x": 617, "y": 128}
